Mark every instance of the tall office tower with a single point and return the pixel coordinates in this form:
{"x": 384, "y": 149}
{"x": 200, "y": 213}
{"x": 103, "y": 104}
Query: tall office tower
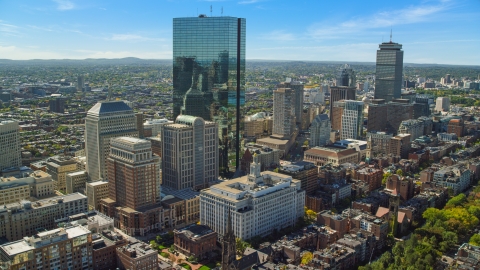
{"x": 133, "y": 186}
{"x": 336, "y": 115}
{"x": 134, "y": 178}
{"x": 104, "y": 121}
{"x": 447, "y": 78}
{"x": 80, "y": 83}
{"x": 297, "y": 97}
{"x": 209, "y": 75}
{"x": 189, "y": 153}
{"x": 388, "y": 75}
{"x": 442, "y": 104}
{"x": 9, "y": 144}
{"x": 338, "y": 93}
{"x": 346, "y": 77}
{"x": 57, "y": 104}
{"x": 352, "y": 120}
{"x": 320, "y": 130}
{"x": 283, "y": 113}
{"x": 386, "y": 117}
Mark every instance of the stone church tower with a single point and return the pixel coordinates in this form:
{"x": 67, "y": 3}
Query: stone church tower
{"x": 229, "y": 248}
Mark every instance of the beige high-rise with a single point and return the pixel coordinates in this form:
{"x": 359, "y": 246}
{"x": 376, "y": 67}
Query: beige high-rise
{"x": 9, "y": 144}
{"x": 104, "y": 121}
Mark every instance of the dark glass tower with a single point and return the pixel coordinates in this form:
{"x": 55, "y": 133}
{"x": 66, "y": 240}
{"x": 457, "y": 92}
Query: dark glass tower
{"x": 209, "y": 76}
{"x": 346, "y": 76}
{"x": 388, "y": 78}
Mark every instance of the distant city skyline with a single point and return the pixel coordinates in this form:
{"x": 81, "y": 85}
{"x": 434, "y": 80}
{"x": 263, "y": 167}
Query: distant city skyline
{"x": 431, "y": 31}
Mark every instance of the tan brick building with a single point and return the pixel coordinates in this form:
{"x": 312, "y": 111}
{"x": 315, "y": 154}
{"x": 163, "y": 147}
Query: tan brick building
{"x": 21, "y": 219}
{"x": 95, "y": 192}
{"x": 323, "y": 155}
{"x": 58, "y": 167}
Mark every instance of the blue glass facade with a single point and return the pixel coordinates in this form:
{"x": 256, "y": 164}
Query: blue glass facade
{"x": 209, "y": 76}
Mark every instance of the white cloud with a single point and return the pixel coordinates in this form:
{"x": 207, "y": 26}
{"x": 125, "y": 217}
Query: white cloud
{"x": 409, "y": 15}
{"x": 132, "y": 37}
{"x": 33, "y": 52}
{"x": 40, "y": 28}
{"x": 64, "y": 4}
{"x": 278, "y": 35}
{"x": 247, "y": 2}
{"x": 8, "y": 28}
{"x": 347, "y": 52}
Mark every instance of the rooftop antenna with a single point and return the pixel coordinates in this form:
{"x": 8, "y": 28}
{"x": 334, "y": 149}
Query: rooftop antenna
{"x": 390, "y": 35}
{"x": 210, "y": 10}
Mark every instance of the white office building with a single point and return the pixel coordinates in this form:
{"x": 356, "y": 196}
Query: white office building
{"x": 104, "y": 121}
{"x": 320, "y": 131}
{"x": 189, "y": 153}
{"x": 156, "y": 125}
{"x": 352, "y": 120}
{"x": 259, "y": 203}
{"x": 442, "y": 104}
{"x": 9, "y": 144}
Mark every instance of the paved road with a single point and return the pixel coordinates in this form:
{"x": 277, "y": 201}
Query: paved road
{"x": 296, "y": 151}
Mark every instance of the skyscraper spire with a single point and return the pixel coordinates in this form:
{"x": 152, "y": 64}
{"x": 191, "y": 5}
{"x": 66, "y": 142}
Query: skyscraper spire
{"x": 390, "y": 35}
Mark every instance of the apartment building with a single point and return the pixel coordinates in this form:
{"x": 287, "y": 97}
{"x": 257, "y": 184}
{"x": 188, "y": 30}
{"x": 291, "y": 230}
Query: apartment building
{"x": 58, "y": 167}
{"x": 37, "y": 184}
{"x": 24, "y": 218}
{"x": 137, "y": 256}
{"x": 75, "y": 182}
{"x": 456, "y": 177}
{"x": 62, "y": 248}
{"x": 96, "y": 191}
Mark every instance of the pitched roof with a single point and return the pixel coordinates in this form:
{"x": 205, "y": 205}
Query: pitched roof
{"x": 400, "y": 217}
{"x": 109, "y": 107}
{"x": 382, "y": 211}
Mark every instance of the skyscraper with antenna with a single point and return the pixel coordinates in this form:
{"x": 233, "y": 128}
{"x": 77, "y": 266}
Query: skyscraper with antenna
{"x": 389, "y": 70}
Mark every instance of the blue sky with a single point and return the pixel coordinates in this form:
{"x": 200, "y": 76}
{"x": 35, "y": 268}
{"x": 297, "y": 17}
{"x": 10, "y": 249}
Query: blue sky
{"x": 431, "y": 31}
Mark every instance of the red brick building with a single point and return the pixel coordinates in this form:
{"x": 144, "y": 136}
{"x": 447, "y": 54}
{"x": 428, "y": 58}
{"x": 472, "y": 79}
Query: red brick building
{"x": 402, "y": 186}
{"x": 456, "y": 126}
{"x": 334, "y": 221}
{"x": 137, "y": 256}
{"x": 371, "y": 176}
{"x": 134, "y": 180}
{"x": 104, "y": 245}
{"x": 195, "y": 240}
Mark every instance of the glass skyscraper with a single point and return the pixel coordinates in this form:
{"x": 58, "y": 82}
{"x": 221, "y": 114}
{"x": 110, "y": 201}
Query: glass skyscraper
{"x": 388, "y": 78}
{"x": 209, "y": 77}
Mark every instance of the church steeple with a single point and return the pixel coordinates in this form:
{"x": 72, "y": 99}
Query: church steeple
{"x": 228, "y": 245}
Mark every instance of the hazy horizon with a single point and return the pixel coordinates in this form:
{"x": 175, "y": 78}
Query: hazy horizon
{"x": 431, "y": 31}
